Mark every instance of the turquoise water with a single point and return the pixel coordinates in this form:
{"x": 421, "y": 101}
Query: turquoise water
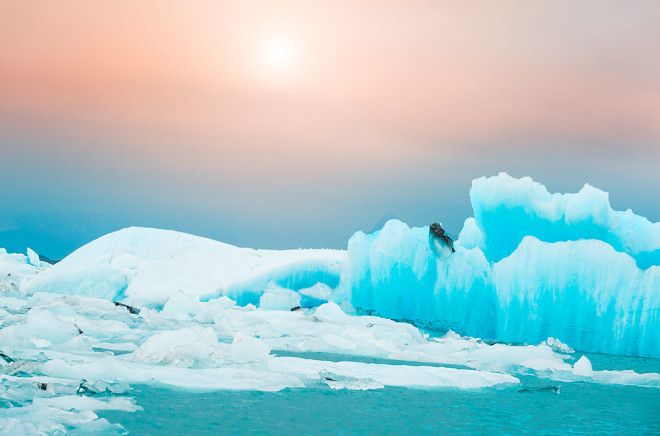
{"x": 578, "y": 408}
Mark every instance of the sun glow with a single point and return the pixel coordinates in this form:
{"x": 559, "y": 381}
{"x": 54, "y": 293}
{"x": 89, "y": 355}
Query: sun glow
{"x": 279, "y": 55}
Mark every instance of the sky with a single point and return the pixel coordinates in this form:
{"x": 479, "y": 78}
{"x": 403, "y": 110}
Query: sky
{"x": 284, "y": 124}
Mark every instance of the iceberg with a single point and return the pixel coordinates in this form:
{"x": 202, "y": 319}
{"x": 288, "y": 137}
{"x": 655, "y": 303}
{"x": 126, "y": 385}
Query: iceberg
{"x": 144, "y": 267}
{"x": 529, "y": 265}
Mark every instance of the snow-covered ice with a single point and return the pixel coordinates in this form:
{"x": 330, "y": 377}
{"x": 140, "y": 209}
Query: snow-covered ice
{"x": 144, "y": 266}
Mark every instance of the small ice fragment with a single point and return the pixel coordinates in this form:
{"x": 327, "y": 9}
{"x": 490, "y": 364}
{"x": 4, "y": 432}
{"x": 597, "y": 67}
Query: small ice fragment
{"x": 330, "y": 312}
{"x": 188, "y": 347}
{"x": 276, "y": 298}
{"x": 246, "y": 348}
{"x": 336, "y": 381}
{"x": 181, "y": 306}
{"x": 41, "y": 343}
{"x": 73, "y": 402}
{"x": 558, "y": 345}
{"x": 319, "y": 291}
{"x": 33, "y": 258}
{"x": 582, "y": 367}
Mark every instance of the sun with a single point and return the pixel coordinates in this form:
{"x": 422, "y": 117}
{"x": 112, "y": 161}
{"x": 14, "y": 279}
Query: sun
{"x": 279, "y": 54}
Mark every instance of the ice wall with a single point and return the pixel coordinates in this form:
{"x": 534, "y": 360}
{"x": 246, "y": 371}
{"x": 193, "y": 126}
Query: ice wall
{"x": 508, "y": 209}
{"x": 394, "y": 273}
{"x": 584, "y": 292}
{"x": 529, "y": 265}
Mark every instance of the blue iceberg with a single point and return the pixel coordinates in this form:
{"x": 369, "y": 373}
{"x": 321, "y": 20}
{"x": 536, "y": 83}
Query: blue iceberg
{"x": 529, "y": 265}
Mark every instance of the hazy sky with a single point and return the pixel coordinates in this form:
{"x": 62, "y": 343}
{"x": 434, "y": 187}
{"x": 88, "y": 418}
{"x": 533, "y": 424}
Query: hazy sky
{"x": 295, "y": 123}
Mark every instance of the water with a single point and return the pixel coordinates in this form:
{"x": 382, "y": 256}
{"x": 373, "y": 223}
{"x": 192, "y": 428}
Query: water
{"x": 579, "y": 408}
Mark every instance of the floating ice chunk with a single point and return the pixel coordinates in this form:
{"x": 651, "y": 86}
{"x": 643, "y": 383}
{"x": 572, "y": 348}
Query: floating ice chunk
{"x": 243, "y": 377}
{"x": 20, "y": 367}
{"x": 40, "y": 324}
{"x": 18, "y": 427}
{"x": 627, "y": 377}
{"x": 33, "y": 258}
{"x": 558, "y": 345}
{"x": 14, "y": 269}
{"x": 101, "y": 387}
{"x": 100, "y": 328}
{"x": 181, "y": 306}
{"x": 70, "y": 305}
{"x": 115, "y": 347}
{"x": 393, "y": 375}
{"x": 582, "y": 370}
{"x": 582, "y": 367}
{"x": 539, "y": 364}
{"x": 331, "y": 312}
{"x": 195, "y": 346}
{"x": 13, "y": 304}
{"x": 222, "y": 302}
{"x": 7, "y": 318}
{"x": 102, "y": 281}
{"x": 457, "y": 350}
{"x": 41, "y": 343}
{"x": 77, "y": 344}
{"x": 43, "y": 419}
{"x": 319, "y": 291}
{"x": 76, "y": 402}
{"x": 276, "y": 298}
{"x": 246, "y": 348}
{"x": 336, "y": 381}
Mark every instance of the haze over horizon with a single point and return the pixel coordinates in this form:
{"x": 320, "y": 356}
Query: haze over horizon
{"x": 295, "y": 123}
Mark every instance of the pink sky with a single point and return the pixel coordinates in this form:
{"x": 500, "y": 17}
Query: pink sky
{"x": 403, "y": 70}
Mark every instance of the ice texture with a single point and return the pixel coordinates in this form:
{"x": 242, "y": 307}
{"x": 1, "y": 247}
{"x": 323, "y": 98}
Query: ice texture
{"x": 582, "y": 292}
{"x": 582, "y": 368}
{"x": 562, "y": 272}
{"x": 529, "y": 265}
{"x": 189, "y": 347}
{"x": 507, "y": 209}
{"x": 142, "y": 266}
{"x": 33, "y": 258}
{"x": 70, "y": 355}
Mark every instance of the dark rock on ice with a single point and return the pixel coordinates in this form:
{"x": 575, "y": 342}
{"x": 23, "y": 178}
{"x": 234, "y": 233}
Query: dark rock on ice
{"x": 131, "y": 309}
